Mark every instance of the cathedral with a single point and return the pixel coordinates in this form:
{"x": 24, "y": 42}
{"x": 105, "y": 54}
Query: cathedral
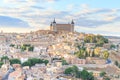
{"x": 62, "y": 27}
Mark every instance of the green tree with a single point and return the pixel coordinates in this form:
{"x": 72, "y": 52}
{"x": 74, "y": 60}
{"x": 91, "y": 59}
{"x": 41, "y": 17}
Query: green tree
{"x": 75, "y": 70}
{"x": 119, "y": 65}
{"x": 64, "y": 62}
{"x": 97, "y": 51}
{"x": 79, "y": 47}
{"x": 15, "y": 61}
{"x": 102, "y": 74}
{"x": 1, "y": 63}
{"x": 72, "y": 70}
{"x": 90, "y": 76}
{"x": 86, "y": 54}
{"x": 46, "y": 62}
{"x": 4, "y": 58}
{"x": 27, "y": 63}
{"x": 93, "y": 54}
{"x": 81, "y": 53}
{"x": 32, "y": 61}
{"x": 41, "y": 61}
{"x": 116, "y": 63}
{"x": 100, "y": 43}
{"x": 100, "y": 40}
{"x": 31, "y": 48}
{"x": 84, "y": 74}
{"x": 105, "y": 54}
{"x": 106, "y": 40}
{"x": 68, "y": 70}
{"x": 112, "y": 46}
{"x": 12, "y": 45}
{"x": 78, "y": 74}
{"x": 27, "y": 45}
{"x": 23, "y": 48}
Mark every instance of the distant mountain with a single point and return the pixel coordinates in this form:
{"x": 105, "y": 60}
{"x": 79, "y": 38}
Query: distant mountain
{"x": 112, "y": 37}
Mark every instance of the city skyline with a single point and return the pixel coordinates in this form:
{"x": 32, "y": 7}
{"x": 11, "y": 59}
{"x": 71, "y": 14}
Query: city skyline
{"x": 90, "y": 16}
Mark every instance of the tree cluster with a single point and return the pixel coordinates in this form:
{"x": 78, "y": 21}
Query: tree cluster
{"x": 30, "y": 62}
{"x": 27, "y": 47}
{"x": 98, "y": 39}
{"x": 23, "y": 47}
{"x": 103, "y": 74}
{"x": 15, "y": 61}
{"x": 83, "y": 53}
{"x": 4, "y": 58}
{"x": 12, "y": 45}
{"x": 112, "y": 46}
{"x": 33, "y": 61}
{"x": 74, "y": 71}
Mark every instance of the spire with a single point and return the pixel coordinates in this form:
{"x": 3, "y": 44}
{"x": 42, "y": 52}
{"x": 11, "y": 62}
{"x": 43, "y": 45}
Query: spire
{"x": 54, "y": 21}
{"x": 72, "y": 22}
{"x": 51, "y": 24}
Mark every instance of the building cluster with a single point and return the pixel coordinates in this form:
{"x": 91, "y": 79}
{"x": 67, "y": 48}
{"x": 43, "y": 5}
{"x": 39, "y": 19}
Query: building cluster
{"x": 53, "y": 45}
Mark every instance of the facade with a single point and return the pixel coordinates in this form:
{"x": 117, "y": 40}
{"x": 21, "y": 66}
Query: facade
{"x": 2, "y": 39}
{"x": 62, "y": 27}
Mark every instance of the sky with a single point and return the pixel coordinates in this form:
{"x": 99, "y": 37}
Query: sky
{"x": 90, "y": 16}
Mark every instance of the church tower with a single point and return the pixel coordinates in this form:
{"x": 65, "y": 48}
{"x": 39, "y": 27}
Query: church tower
{"x": 51, "y": 27}
{"x": 72, "y": 26}
{"x": 54, "y": 25}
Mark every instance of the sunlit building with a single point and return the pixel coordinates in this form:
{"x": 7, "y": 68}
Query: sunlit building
{"x": 62, "y": 27}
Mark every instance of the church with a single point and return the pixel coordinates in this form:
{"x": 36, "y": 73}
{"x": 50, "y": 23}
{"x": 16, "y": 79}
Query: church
{"x": 62, "y": 27}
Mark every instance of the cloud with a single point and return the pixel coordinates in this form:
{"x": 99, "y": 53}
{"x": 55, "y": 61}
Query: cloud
{"x": 14, "y": 1}
{"x": 27, "y": 1}
{"x": 18, "y": 3}
{"x": 37, "y": 7}
{"x": 96, "y": 17}
{"x": 51, "y": 0}
{"x": 38, "y": 16}
{"x": 84, "y": 6}
{"x": 91, "y": 23}
{"x": 103, "y": 30}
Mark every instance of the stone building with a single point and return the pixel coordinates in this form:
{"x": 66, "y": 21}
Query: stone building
{"x": 62, "y": 27}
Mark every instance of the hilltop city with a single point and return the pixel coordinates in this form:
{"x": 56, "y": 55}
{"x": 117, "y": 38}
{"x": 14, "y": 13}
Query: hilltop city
{"x": 59, "y": 53}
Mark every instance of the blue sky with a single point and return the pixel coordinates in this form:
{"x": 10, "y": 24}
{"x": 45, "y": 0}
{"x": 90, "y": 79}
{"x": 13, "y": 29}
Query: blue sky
{"x": 90, "y": 16}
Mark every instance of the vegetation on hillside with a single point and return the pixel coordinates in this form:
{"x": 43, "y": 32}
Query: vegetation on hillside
{"x": 30, "y": 62}
{"x": 98, "y": 39}
{"x": 83, "y": 53}
{"x": 75, "y": 72}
